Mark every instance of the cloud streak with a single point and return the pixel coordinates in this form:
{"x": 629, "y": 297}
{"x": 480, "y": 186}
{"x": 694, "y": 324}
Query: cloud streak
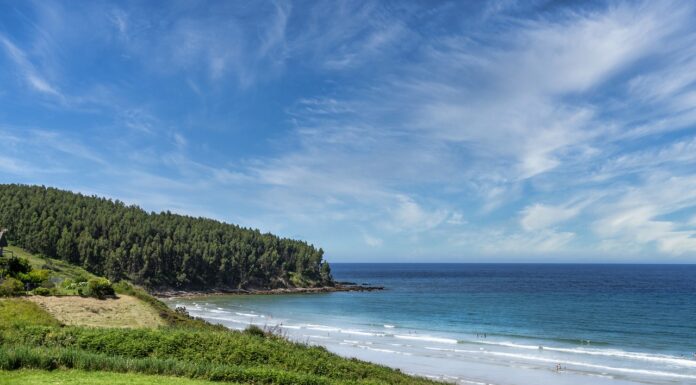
{"x": 397, "y": 130}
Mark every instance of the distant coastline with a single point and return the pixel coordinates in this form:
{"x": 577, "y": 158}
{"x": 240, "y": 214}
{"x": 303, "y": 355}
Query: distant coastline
{"x": 339, "y": 287}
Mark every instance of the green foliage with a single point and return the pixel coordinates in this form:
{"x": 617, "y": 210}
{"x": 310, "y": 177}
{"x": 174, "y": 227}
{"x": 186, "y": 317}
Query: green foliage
{"x": 254, "y": 330}
{"x": 42, "y": 291}
{"x": 34, "y": 277}
{"x": 14, "y": 266}
{"x": 10, "y": 286}
{"x": 78, "y": 377}
{"x": 194, "y": 350}
{"x": 16, "y": 271}
{"x": 18, "y": 312}
{"x": 203, "y": 354}
{"x": 154, "y": 250}
{"x": 99, "y": 288}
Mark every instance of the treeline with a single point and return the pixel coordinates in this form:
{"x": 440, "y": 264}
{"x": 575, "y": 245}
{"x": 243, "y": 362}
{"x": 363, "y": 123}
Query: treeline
{"x": 159, "y": 251}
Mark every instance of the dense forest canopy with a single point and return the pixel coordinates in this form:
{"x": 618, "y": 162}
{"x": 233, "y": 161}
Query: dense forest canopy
{"x": 162, "y": 250}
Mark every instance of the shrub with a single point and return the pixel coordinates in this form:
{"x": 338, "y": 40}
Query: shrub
{"x": 99, "y": 288}
{"x": 81, "y": 277}
{"x": 255, "y": 331}
{"x": 42, "y": 291}
{"x": 10, "y": 287}
{"x": 16, "y": 265}
{"x": 182, "y": 310}
{"x": 34, "y": 277}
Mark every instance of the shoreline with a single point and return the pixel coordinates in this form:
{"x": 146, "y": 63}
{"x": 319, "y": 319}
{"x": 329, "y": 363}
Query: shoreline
{"x": 459, "y": 357}
{"x": 339, "y": 287}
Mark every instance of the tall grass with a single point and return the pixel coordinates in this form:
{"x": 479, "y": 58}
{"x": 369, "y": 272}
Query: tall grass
{"x": 18, "y": 312}
{"x": 66, "y": 358}
{"x": 215, "y": 355}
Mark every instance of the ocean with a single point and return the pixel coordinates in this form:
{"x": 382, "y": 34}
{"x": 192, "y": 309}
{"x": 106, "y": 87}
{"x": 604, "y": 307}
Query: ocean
{"x": 501, "y": 324}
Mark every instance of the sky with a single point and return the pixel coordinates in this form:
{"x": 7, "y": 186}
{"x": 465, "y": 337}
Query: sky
{"x": 500, "y": 131}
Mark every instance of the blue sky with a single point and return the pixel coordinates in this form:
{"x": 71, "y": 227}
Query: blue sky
{"x": 380, "y": 131}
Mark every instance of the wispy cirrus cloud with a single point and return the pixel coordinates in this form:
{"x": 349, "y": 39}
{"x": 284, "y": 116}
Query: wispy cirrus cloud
{"x": 27, "y": 70}
{"x": 390, "y": 129}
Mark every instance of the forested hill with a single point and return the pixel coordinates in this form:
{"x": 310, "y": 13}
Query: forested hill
{"x": 159, "y": 251}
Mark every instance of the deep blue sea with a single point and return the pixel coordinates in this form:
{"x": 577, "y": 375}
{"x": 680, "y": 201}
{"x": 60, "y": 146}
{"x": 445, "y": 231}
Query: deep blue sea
{"x": 495, "y": 323}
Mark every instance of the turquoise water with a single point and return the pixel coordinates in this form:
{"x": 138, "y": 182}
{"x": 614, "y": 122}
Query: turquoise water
{"x": 495, "y": 323}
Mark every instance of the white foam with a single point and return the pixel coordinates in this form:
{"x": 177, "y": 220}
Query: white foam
{"x": 227, "y": 320}
{"x": 594, "y": 366}
{"x": 427, "y": 338}
{"x": 389, "y": 326}
{"x": 315, "y": 336}
{"x": 440, "y": 349}
{"x": 378, "y": 349}
{"x": 361, "y": 333}
{"x": 248, "y": 315}
{"x": 601, "y": 352}
{"x": 322, "y": 328}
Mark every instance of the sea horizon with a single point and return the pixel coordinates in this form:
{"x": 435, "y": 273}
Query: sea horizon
{"x": 515, "y": 263}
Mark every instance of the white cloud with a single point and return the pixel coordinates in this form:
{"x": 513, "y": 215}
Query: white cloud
{"x": 14, "y": 166}
{"x": 692, "y": 221}
{"x": 28, "y": 70}
{"x": 482, "y": 119}
{"x": 502, "y": 243}
{"x": 538, "y": 216}
{"x": 409, "y": 215}
{"x": 456, "y": 218}
{"x": 639, "y": 215}
{"x": 372, "y": 241}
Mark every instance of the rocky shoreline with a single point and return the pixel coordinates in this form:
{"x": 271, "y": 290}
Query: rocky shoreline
{"x": 339, "y": 287}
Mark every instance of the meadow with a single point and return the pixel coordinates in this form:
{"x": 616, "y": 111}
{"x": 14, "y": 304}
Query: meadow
{"x": 36, "y": 346}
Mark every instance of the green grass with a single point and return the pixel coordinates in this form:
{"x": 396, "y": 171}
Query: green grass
{"x": 19, "y": 312}
{"x": 202, "y": 354}
{"x": 59, "y": 269}
{"x": 76, "y": 377}
{"x": 187, "y": 348}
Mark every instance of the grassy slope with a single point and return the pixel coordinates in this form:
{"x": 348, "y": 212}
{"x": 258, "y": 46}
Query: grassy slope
{"x": 18, "y": 312}
{"x": 58, "y": 268}
{"x": 184, "y": 348}
{"x": 74, "y": 377}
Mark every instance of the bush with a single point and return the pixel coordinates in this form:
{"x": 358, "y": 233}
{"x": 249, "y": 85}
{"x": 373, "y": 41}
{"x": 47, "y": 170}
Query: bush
{"x": 99, "y": 288}
{"x": 42, "y": 291}
{"x": 34, "y": 277}
{"x": 255, "y": 331}
{"x": 182, "y": 310}
{"x": 16, "y": 265}
{"x": 81, "y": 277}
{"x": 10, "y": 287}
